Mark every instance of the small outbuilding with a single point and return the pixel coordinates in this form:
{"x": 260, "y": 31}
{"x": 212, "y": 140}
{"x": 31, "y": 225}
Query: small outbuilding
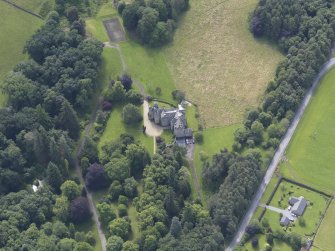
{"x": 284, "y": 221}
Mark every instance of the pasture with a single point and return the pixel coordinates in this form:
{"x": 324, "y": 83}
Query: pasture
{"x": 310, "y": 157}
{"x": 219, "y": 64}
{"x": 277, "y": 245}
{"x": 35, "y": 6}
{"x": 324, "y": 239}
{"x": 16, "y": 27}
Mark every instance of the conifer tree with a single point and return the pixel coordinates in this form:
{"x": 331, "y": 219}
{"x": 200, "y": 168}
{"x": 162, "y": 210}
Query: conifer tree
{"x": 41, "y": 146}
{"x": 54, "y": 177}
{"x": 68, "y": 120}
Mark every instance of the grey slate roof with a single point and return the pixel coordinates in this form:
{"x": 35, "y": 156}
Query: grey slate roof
{"x": 284, "y": 221}
{"x": 298, "y": 205}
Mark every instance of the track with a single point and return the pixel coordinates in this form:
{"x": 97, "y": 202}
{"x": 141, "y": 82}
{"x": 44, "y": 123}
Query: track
{"x": 278, "y": 156}
{"x": 101, "y": 234}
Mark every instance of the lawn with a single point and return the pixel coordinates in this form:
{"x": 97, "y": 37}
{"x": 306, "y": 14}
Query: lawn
{"x": 16, "y": 27}
{"x": 115, "y": 127}
{"x": 217, "y": 61}
{"x": 312, "y": 214}
{"x": 111, "y": 66}
{"x": 277, "y": 245}
{"x": 324, "y": 239}
{"x": 149, "y": 67}
{"x": 215, "y": 139}
{"x": 313, "y": 164}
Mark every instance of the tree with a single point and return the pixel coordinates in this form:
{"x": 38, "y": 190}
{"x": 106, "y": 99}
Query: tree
{"x": 130, "y": 187}
{"x": 66, "y": 244}
{"x": 147, "y": 24}
{"x": 61, "y": 209}
{"x": 138, "y": 158}
{"x": 72, "y": 14}
{"x": 53, "y": 176}
{"x": 134, "y": 97}
{"x": 68, "y": 120}
{"x": 130, "y": 15}
{"x": 114, "y": 243}
{"x": 130, "y": 246}
{"x": 82, "y": 246}
{"x": 150, "y": 243}
{"x": 96, "y": 177}
{"x": 118, "y": 169}
{"x": 116, "y": 94}
{"x": 106, "y": 213}
{"x": 80, "y": 210}
{"x": 131, "y": 114}
{"x": 115, "y": 190}
{"x": 70, "y": 190}
{"x": 119, "y": 227}
{"x": 126, "y": 81}
{"x": 175, "y": 227}
{"x": 90, "y": 150}
{"x": 159, "y": 6}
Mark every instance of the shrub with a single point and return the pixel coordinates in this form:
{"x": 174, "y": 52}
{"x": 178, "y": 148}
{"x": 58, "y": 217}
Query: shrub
{"x": 199, "y": 137}
{"x": 123, "y": 200}
{"x": 178, "y": 95}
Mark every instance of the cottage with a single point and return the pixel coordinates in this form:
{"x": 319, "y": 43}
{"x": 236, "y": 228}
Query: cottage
{"x": 298, "y": 205}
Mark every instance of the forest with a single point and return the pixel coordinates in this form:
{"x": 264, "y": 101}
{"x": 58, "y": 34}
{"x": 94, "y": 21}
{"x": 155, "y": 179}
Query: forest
{"x": 49, "y": 93}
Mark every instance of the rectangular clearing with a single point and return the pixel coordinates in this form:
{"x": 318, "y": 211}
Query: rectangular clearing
{"x": 115, "y": 31}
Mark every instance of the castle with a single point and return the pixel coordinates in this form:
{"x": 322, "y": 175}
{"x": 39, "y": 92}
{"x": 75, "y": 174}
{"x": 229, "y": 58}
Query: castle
{"x": 172, "y": 118}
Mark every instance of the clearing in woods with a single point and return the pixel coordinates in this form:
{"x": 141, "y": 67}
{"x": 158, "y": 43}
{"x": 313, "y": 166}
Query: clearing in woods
{"x": 16, "y": 27}
{"x": 217, "y": 61}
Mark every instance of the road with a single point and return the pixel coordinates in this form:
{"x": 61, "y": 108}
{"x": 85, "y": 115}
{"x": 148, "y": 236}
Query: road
{"x": 278, "y": 155}
{"x": 101, "y": 234}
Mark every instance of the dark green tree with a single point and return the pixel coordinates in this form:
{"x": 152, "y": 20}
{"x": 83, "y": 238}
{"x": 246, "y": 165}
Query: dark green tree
{"x": 68, "y": 120}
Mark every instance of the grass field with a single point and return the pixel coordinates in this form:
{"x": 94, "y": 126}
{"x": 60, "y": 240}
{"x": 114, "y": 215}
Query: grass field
{"x": 312, "y": 214}
{"x": 90, "y": 226}
{"x": 16, "y": 27}
{"x": 32, "y": 5}
{"x": 310, "y": 155}
{"x": 324, "y": 239}
{"x": 216, "y": 60}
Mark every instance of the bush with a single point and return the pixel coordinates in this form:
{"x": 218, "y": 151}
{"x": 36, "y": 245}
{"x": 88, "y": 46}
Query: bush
{"x": 199, "y": 137}
{"x": 134, "y": 97}
{"x": 178, "y": 95}
{"x": 131, "y": 114}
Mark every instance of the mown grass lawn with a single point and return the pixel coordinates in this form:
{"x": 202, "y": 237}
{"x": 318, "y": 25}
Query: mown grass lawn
{"x": 215, "y": 139}
{"x": 16, "y": 27}
{"x": 310, "y": 155}
{"x": 149, "y": 67}
{"x": 115, "y": 127}
{"x": 324, "y": 239}
{"x": 312, "y": 214}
